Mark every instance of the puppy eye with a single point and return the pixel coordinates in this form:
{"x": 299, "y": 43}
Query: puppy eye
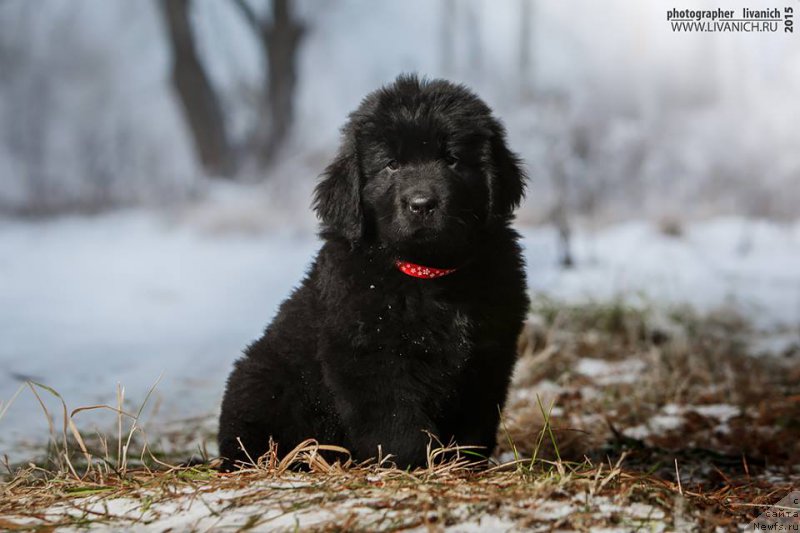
{"x": 392, "y": 165}
{"x": 451, "y": 160}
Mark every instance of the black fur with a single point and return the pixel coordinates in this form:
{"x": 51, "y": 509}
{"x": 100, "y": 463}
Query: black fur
{"x": 362, "y": 355}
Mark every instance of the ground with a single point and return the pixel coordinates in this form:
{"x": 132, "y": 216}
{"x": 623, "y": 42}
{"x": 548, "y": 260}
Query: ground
{"x": 619, "y": 417}
{"x": 656, "y": 388}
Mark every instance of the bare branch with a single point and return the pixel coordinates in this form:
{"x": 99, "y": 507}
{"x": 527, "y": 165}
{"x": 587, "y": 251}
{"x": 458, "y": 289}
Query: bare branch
{"x": 201, "y": 104}
{"x": 250, "y": 15}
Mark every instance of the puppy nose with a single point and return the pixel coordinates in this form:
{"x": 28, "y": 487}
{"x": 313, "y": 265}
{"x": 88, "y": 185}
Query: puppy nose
{"x": 421, "y": 205}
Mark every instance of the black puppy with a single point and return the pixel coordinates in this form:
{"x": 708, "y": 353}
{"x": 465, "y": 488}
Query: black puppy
{"x": 408, "y": 319}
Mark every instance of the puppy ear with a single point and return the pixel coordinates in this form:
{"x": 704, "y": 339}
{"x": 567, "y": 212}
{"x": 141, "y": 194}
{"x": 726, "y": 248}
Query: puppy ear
{"x": 507, "y": 184}
{"x": 337, "y": 198}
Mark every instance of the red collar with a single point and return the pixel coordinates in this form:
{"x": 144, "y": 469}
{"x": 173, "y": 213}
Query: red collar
{"x": 423, "y": 272}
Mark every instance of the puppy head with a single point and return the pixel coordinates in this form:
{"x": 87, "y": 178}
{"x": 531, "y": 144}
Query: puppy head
{"x": 423, "y": 167}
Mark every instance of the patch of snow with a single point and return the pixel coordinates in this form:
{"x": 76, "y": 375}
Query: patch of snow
{"x": 663, "y": 423}
{"x": 668, "y": 419}
{"x": 672, "y": 417}
{"x": 208, "y": 509}
{"x": 593, "y": 367}
{"x": 605, "y": 372}
{"x": 705, "y": 268}
{"x": 544, "y": 391}
{"x": 200, "y": 510}
{"x": 506, "y": 457}
{"x": 89, "y": 303}
{"x": 721, "y": 411}
{"x": 640, "y": 432}
{"x": 480, "y": 524}
{"x": 554, "y": 510}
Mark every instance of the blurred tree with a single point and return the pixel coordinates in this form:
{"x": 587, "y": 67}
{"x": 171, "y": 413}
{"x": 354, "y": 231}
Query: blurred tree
{"x": 28, "y": 96}
{"x": 473, "y": 33}
{"x": 201, "y": 106}
{"x": 280, "y": 40}
{"x": 279, "y": 37}
{"x": 558, "y": 134}
{"x": 526, "y": 66}
{"x": 559, "y": 215}
{"x": 448, "y": 36}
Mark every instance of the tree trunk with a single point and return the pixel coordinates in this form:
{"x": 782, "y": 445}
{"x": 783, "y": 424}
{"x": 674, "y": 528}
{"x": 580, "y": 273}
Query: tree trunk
{"x": 525, "y": 44}
{"x": 201, "y": 107}
{"x": 474, "y": 41}
{"x": 280, "y": 42}
{"x": 560, "y": 216}
{"x": 448, "y": 36}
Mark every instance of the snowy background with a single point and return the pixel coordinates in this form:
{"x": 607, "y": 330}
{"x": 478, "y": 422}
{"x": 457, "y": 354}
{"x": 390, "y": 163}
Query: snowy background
{"x": 672, "y": 161}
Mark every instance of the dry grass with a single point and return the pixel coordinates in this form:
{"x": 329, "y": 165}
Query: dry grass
{"x": 579, "y": 444}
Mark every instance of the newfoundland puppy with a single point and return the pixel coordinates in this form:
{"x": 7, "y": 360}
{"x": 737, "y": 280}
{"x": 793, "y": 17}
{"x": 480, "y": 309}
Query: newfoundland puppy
{"x": 406, "y": 325}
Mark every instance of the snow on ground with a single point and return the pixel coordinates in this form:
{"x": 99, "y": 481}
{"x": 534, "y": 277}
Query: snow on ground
{"x": 89, "y": 303}
{"x": 672, "y": 417}
{"x": 610, "y": 372}
{"x": 752, "y": 266}
{"x": 92, "y": 302}
{"x": 276, "y": 508}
